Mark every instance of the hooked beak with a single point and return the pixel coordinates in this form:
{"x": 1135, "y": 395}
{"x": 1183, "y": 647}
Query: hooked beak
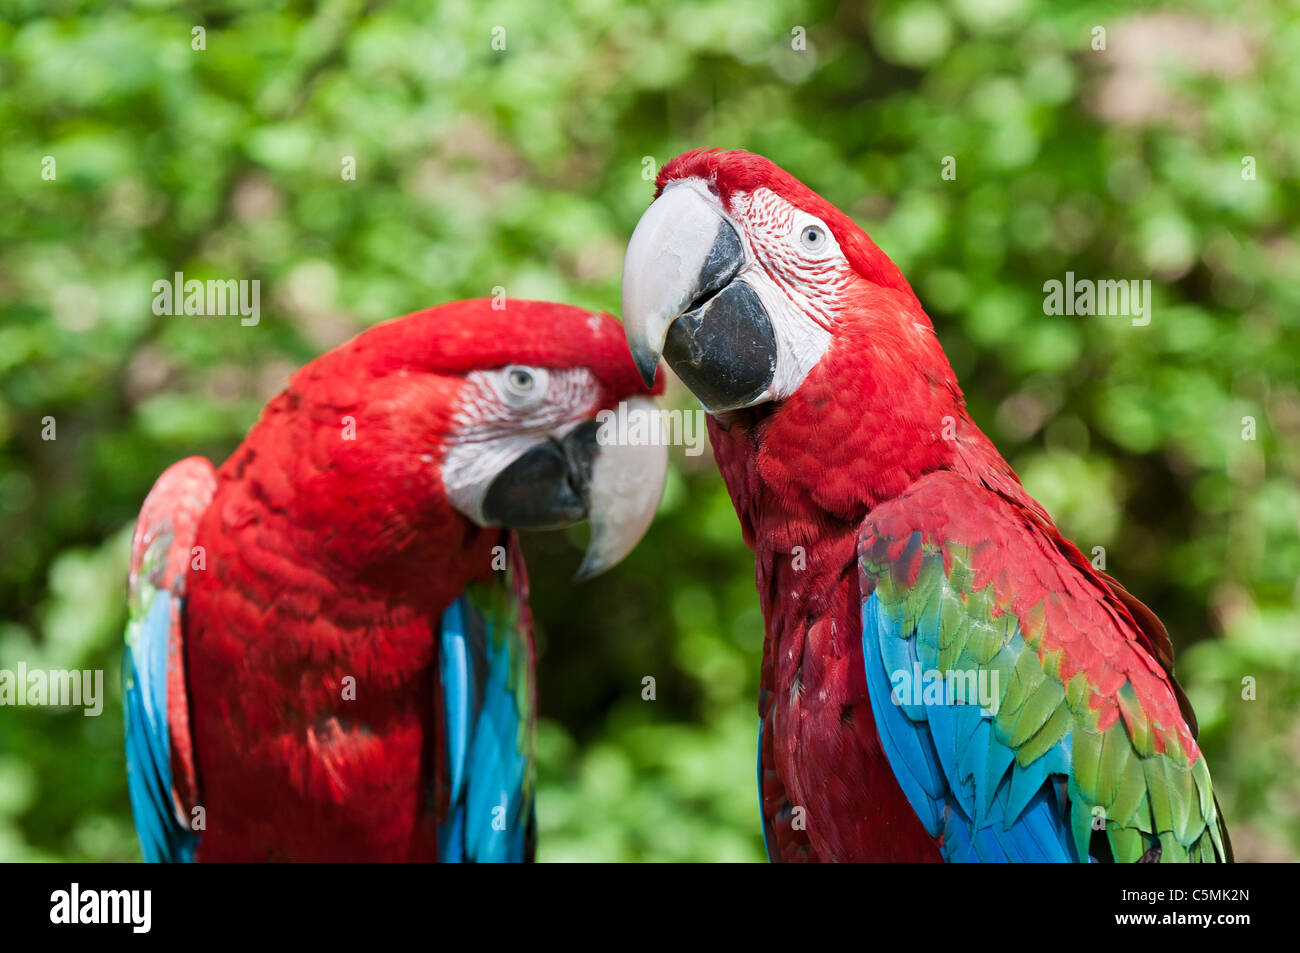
{"x": 558, "y": 482}
{"x": 685, "y": 297}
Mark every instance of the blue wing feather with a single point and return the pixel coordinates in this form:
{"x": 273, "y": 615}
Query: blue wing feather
{"x": 768, "y": 835}
{"x": 152, "y": 666}
{"x": 458, "y": 693}
{"x": 951, "y": 767}
{"x": 148, "y": 742}
{"x": 488, "y": 735}
{"x": 907, "y": 746}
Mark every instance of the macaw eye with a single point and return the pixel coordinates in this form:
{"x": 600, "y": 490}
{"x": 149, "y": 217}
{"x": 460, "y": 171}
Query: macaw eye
{"x": 813, "y": 238}
{"x": 520, "y": 381}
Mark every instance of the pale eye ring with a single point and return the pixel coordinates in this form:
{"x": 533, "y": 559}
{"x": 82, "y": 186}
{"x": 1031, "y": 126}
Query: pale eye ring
{"x": 813, "y": 238}
{"x": 520, "y": 381}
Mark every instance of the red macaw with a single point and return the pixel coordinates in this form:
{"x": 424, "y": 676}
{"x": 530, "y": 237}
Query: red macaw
{"x": 329, "y": 653}
{"x": 945, "y": 676}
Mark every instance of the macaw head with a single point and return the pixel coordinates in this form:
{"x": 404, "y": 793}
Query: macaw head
{"x": 784, "y": 318}
{"x": 475, "y": 414}
{"x": 743, "y": 279}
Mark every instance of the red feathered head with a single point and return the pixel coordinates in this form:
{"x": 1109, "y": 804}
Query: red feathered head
{"x": 742, "y": 277}
{"x": 473, "y": 414}
{"x": 751, "y": 177}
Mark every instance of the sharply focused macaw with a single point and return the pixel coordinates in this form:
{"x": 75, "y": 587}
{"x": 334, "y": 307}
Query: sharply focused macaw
{"x": 945, "y": 676}
{"x": 329, "y": 653}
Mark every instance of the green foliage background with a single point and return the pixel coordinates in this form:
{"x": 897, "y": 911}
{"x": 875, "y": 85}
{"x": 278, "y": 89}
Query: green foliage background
{"x": 524, "y": 169}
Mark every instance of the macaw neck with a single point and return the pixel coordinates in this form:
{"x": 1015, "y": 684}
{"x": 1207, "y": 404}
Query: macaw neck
{"x": 800, "y": 546}
{"x": 823, "y": 458}
{"x": 881, "y": 409}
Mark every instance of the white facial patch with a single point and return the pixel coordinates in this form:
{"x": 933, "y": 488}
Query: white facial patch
{"x": 799, "y": 272}
{"x": 502, "y": 414}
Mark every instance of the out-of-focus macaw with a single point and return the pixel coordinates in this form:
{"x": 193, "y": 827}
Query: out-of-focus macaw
{"x": 945, "y": 676}
{"x": 329, "y": 653}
